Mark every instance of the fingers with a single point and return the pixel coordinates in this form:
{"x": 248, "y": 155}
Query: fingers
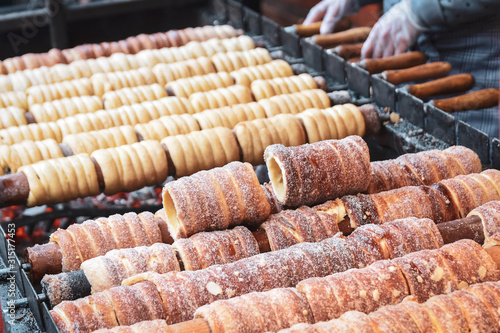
{"x": 402, "y": 44}
{"x": 316, "y": 13}
{"x": 330, "y": 19}
{"x": 367, "y": 49}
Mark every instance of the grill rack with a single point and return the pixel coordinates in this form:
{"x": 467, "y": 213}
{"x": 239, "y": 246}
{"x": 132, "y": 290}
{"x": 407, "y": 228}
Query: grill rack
{"x": 422, "y": 127}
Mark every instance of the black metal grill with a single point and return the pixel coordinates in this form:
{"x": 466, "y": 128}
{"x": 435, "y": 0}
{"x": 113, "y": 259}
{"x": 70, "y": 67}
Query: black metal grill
{"x": 422, "y": 127}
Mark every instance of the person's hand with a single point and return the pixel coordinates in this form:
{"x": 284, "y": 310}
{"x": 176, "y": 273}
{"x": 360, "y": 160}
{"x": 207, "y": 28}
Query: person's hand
{"x": 331, "y": 11}
{"x": 394, "y": 33}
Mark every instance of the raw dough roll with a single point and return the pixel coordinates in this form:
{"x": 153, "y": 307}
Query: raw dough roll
{"x": 256, "y": 135}
{"x": 334, "y": 123}
{"x": 296, "y": 102}
{"x": 220, "y": 97}
{"x": 132, "y": 167}
{"x": 166, "y": 126}
{"x": 66, "y": 107}
{"x": 262, "y": 89}
{"x": 32, "y": 60}
{"x": 200, "y": 83}
{"x": 128, "y": 96}
{"x": 229, "y": 116}
{"x": 27, "y": 152}
{"x": 12, "y": 116}
{"x": 145, "y": 112}
{"x": 85, "y": 122}
{"x": 14, "y": 98}
{"x": 276, "y": 68}
{"x": 24, "y": 79}
{"x": 424, "y": 168}
{"x": 33, "y": 132}
{"x": 231, "y": 195}
{"x": 108, "y": 271}
{"x": 61, "y": 179}
{"x": 66, "y": 89}
{"x": 104, "y": 82}
{"x": 202, "y": 150}
{"x": 318, "y": 172}
{"x": 232, "y": 61}
{"x": 166, "y": 73}
{"x": 89, "y": 142}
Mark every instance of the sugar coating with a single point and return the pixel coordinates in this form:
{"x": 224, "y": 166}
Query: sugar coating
{"x": 215, "y": 200}
{"x": 317, "y": 172}
{"x": 304, "y": 224}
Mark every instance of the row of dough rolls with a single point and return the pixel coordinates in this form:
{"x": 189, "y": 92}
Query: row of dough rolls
{"x": 181, "y": 293}
{"x": 131, "y": 45}
{"x": 101, "y": 83}
{"x": 22, "y": 80}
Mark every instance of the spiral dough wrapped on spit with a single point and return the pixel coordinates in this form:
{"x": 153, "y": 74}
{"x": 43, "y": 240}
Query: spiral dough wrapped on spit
{"x": 31, "y": 132}
{"x": 66, "y": 107}
{"x": 383, "y": 283}
{"x": 22, "y": 80}
{"x": 32, "y": 60}
{"x": 88, "y": 142}
{"x": 276, "y": 68}
{"x": 66, "y": 89}
{"x": 145, "y": 112}
{"x": 256, "y": 135}
{"x": 14, "y": 98}
{"x": 473, "y": 309}
{"x": 12, "y": 116}
{"x": 229, "y": 116}
{"x": 446, "y": 200}
{"x": 232, "y": 61}
{"x": 267, "y": 88}
{"x": 166, "y": 73}
{"x": 424, "y": 168}
{"x": 296, "y": 102}
{"x": 229, "y": 196}
{"x": 93, "y": 238}
{"x": 202, "y": 150}
{"x": 182, "y": 293}
{"x": 200, "y": 83}
{"x": 220, "y": 97}
{"x": 317, "y": 172}
{"x": 337, "y": 122}
{"x": 27, "y": 152}
{"x": 149, "y": 326}
{"x": 128, "y": 96}
{"x": 60, "y": 180}
{"x": 165, "y": 126}
{"x": 135, "y": 44}
{"x": 206, "y": 249}
{"x": 111, "y": 269}
{"x": 104, "y": 82}
{"x": 131, "y": 167}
